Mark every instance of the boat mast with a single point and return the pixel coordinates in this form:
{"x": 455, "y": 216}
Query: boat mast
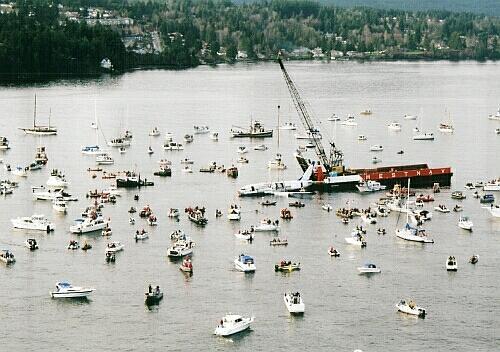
{"x": 278, "y": 128}
{"x": 336, "y": 156}
{"x": 34, "y": 114}
{"x": 407, "y": 201}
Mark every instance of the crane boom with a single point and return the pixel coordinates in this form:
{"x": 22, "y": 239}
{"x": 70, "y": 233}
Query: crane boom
{"x": 336, "y": 156}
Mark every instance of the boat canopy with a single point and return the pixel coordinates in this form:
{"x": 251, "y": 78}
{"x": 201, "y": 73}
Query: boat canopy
{"x": 64, "y": 284}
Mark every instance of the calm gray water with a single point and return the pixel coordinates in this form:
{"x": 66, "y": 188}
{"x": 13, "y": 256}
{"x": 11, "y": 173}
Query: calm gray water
{"x": 344, "y": 311}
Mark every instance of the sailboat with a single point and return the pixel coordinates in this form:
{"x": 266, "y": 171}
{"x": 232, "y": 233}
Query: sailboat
{"x": 277, "y": 163}
{"x": 40, "y": 130}
{"x": 422, "y": 136}
{"x": 94, "y": 149}
{"x": 446, "y": 127}
{"x": 410, "y": 233}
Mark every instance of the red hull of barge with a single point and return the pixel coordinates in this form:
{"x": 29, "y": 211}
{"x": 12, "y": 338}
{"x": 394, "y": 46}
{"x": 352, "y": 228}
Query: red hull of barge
{"x": 421, "y": 175}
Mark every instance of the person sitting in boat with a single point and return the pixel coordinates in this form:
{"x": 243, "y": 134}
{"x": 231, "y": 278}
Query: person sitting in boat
{"x": 157, "y": 291}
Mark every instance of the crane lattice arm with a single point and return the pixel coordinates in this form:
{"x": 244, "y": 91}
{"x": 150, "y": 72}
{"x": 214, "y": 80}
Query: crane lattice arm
{"x": 305, "y": 118}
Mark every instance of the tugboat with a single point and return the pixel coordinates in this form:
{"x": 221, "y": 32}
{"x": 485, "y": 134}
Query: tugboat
{"x": 256, "y": 131}
{"x": 153, "y": 296}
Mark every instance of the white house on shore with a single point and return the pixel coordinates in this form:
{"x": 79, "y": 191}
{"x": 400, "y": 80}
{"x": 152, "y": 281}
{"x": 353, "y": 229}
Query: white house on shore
{"x": 106, "y": 64}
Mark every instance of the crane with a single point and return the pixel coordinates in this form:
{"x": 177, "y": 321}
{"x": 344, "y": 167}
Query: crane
{"x": 330, "y": 163}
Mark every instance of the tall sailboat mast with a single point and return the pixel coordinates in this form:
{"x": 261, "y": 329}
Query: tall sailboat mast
{"x": 34, "y": 114}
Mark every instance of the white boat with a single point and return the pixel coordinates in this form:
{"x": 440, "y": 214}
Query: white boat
{"x": 334, "y": 118}
{"x": 181, "y": 248}
{"x": 288, "y": 126}
{"x": 267, "y": 226}
{"x": 91, "y": 150}
{"x": 43, "y": 194}
{"x": 451, "y": 263}
{"x": 187, "y": 161}
{"x": 31, "y": 244}
{"x": 494, "y": 210}
{"x": 376, "y": 160}
{"x": 141, "y": 235}
{"x": 7, "y": 256}
{"x": 119, "y": 142}
{"x": 173, "y": 146}
{"x": 277, "y": 163}
{"x": 122, "y": 150}
{"x": 427, "y": 136}
{"x": 492, "y": 186}
{"x": 34, "y": 222}
{"x": 260, "y": 147}
{"x": 442, "y": 208}
{"x": 394, "y": 126}
{"x": 242, "y": 160}
{"x": 496, "y": 116}
{"x": 376, "y": 148}
{"x": 40, "y": 130}
{"x": 232, "y": 324}
{"x": 214, "y": 136}
{"x": 201, "y": 129}
{"x": 234, "y": 213}
{"x": 155, "y": 132}
{"x": 410, "y": 117}
{"x": 333, "y": 252}
{"x": 187, "y": 170}
{"x": 445, "y": 128}
{"x": 245, "y": 235}
{"x": 368, "y": 268}
{"x": 356, "y": 239}
{"x": 150, "y": 150}
{"x": 370, "y": 186}
{"x": 57, "y": 180}
{"x": 88, "y": 224}
{"x": 294, "y": 302}
{"x": 173, "y": 213}
{"x": 497, "y": 130}
{"x": 188, "y": 138}
{"x": 242, "y": 149}
{"x": 66, "y": 290}
{"x": 168, "y": 136}
{"x": 107, "y": 231}
{"x": 465, "y": 223}
{"x": 244, "y": 263}
{"x": 4, "y": 143}
{"x": 20, "y": 171}
{"x": 327, "y": 207}
{"x": 413, "y": 234}
{"x": 104, "y": 159}
{"x": 309, "y": 135}
{"x": 369, "y": 219}
{"x": 114, "y": 247}
{"x": 410, "y": 308}
{"x": 350, "y": 121}
{"x": 362, "y": 137}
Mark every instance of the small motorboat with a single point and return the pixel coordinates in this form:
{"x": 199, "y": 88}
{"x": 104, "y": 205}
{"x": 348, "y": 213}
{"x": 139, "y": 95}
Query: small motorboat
{"x": 376, "y": 160}
{"x": 267, "y": 225}
{"x": 294, "y": 303}
{"x": 20, "y": 171}
{"x": 150, "y": 150}
{"x": 366, "y": 112}
{"x": 188, "y": 138}
{"x": 333, "y": 252}
{"x": 110, "y": 257}
{"x": 425, "y": 198}
{"x": 487, "y": 198}
{"x": 181, "y": 248}
{"x": 381, "y": 231}
{"x": 278, "y": 242}
{"x": 368, "y": 268}
{"x": 7, "y": 256}
{"x": 173, "y": 213}
{"x": 114, "y": 247}
{"x": 268, "y": 203}
{"x": 155, "y": 132}
{"x": 153, "y": 296}
{"x": 86, "y": 246}
{"x": 394, "y": 126}
{"x": 465, "y": 223}
{"x": 400, "y": 152}
{"x": 214, "y": 136}
{"x": 242, "y": 149}
{"x": 286, "y": 214}
{"x": 458, "y": 195}
{"x": 369, "y": 218}
{"x": 104, "y": 159}
{"x": 60, "y": 205}
{"x": 201, "y": 129}
{"x": 376, "y": 148}
{"x": 187, "y": 170}
{"x": 260, "y": 147}
{"x": 410, "y": 308}
{"x": 65, "y": 290}
{"x": 242, "y": 160}
{"x": 173, "y": 146}
{"x": 232, "y": 324}
{"x": 244, "y": 263}
{"x": 187, "y": 265}
{"x": 131, "y": 221}
{"x": 277, "y": 163}
{"x": 246, "y": 235}
{"x": 187, "y": 161}
{"x": 345, "y": 220}
{"x": 334, "y": 118}
{"x": 234, "y": 213}
{"x": 73, "y": 245}
{"x": 457, "y": 208}
{"x": 350, "y": 121}
{"x": 141, "y": 235}
{"x": 164, "y": 171}
{"x": 327, "y": 207}
{"x": 474, "y": 259}
{"x": 427, "y": 136}
{"x": 33, "y": 223}
{"x": 446, "y": 128}
{"x": 362, "y": 137}
{"x": 286, "y": 266}
{"x": 232, "y": 172}
{"x": 469, "y": 185}
{"x": 296, "y": 204}
{"x": 152, "y": 220}
{"x": 288, "y": 126}
{"x": 106, "y": 232}
{"x": 410, "y": 117}
{"x": 442, "y": 208}
{"x": 31, "y": 244}
{"x": 356, "y": 239}
{"x": 451, "y": 263}
{"x": 122, "y": 150}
